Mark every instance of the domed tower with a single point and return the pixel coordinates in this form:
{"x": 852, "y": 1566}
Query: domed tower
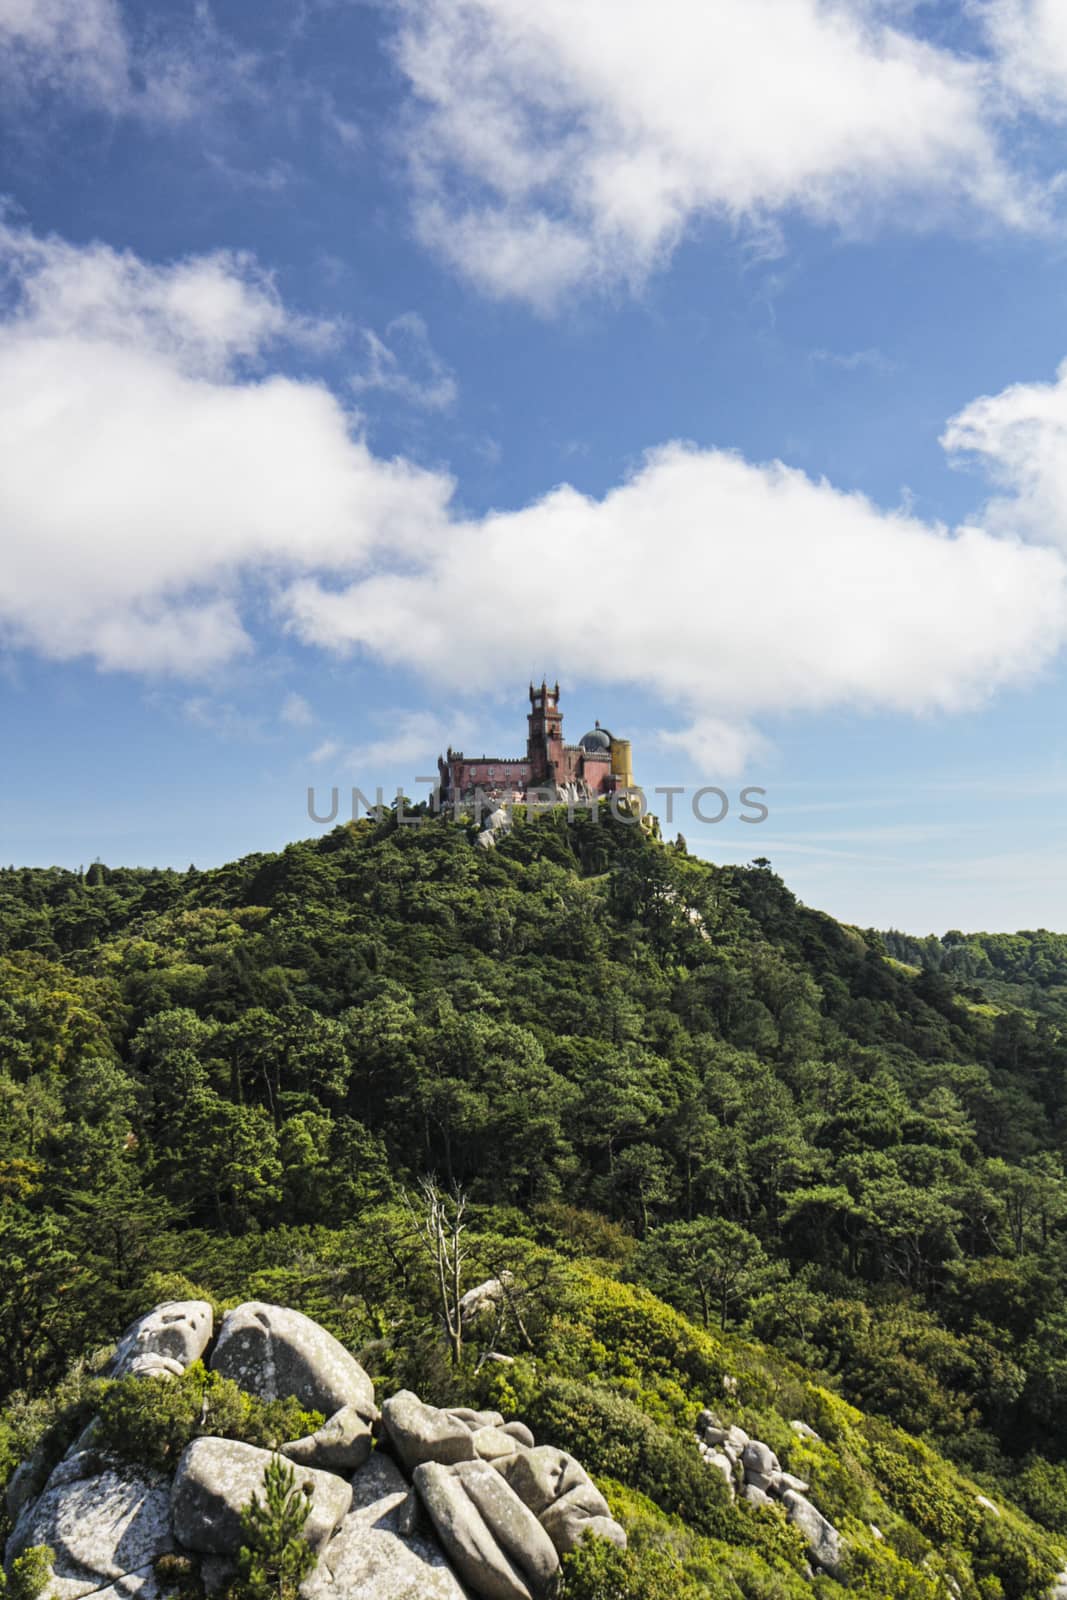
{"x": 595, "y": 760}
{"x": 597, "y": 741}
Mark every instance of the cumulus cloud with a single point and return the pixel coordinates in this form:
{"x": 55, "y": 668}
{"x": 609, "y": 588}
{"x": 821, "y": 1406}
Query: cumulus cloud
{"x": 152, "y": 469}
{"x": 556, "y": 145}
{"x": 405, "y": 363}
{"x": 728, "y": 589}
{"x": 200, "y": 314}
{"x": 162, "y": 485}
{"x": 1019, "y": 438}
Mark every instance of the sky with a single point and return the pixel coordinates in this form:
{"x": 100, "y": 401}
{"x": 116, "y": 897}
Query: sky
{"x": 361, "y": 362}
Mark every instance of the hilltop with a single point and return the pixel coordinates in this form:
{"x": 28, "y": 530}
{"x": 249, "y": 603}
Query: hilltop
{"x": 715, "y": 1136}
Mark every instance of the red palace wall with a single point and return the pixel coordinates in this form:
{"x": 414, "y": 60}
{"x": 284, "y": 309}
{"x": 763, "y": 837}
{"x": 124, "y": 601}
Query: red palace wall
{"x": 493, "y": 774}
{"x": 596, "y": 770}
{"x": 489, "y": 774}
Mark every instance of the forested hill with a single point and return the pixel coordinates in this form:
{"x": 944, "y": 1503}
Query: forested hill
{"x": 1027, "y": 970}
{"x": 623, "y": 1054}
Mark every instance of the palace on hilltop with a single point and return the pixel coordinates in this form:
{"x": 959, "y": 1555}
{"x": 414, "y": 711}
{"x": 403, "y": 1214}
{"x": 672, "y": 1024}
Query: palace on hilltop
{"x": 599, "y": 764}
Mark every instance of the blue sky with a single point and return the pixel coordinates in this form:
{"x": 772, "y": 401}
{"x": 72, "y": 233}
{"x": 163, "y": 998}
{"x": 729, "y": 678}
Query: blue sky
{"x": 359, "y": 361}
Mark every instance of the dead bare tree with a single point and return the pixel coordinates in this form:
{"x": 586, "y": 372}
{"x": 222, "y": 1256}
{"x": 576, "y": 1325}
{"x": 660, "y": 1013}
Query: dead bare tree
{"x": 439, "y": 1221}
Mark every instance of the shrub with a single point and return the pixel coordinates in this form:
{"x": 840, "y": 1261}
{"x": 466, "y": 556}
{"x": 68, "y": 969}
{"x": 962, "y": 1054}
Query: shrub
{"x": 151, "y": 1420}
{"x": 588, "y": 1234}
{"x": 662, "y": 1551}
{"x": 30, "y": 1573}
{"x": 599, "y": 1571}
{"x": 613, "y": 1437}
{"x": 159, "y": 1287}
{"x": 878, "y": 1572}
{"x": 45, "y": 1426}
{"x": 919, "y": 1488}
{"x": 1023, "y": 1566}
{"x": 1041, "y": 1490}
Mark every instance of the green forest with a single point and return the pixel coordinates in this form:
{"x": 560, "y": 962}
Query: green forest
{"x": 732, "y": 1153}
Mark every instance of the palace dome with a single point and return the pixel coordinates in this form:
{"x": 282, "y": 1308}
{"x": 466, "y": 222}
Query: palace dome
{"x": 598, "y": 740}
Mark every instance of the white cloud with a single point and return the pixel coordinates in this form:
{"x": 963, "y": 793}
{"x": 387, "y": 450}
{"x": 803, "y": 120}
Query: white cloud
{"x": 405, "y": 363}
{"x": 1030, "y": 40}
{"x": 200, "y": 315}
{"x": 345, "y": 135}
{"x": 161, "y": 484}
{"x": 74, "y": 46}
{"x": 727, "y": 589}
{"x": 716, "y": 745}
{"x": 410, "y": 738}
{"x": 149, "y": 475}
{"x": 1019, "y": 437}
{"x": 83, "y": 50}
{"x": 871, "y": 360}
{"x": 408, "y": 745}
{"x": 555, "y": 146}
{"x": 296, "y": 711}
{"x": 271, "y": 178}
{"x": 219, "y": 717}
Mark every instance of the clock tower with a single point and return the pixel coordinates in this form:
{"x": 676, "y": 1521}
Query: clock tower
{"x": 544, "y": 742}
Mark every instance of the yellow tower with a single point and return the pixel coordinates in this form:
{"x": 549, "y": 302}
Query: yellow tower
{"x": 622, "y": 763}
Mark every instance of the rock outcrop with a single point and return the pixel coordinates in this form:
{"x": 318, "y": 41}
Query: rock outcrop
{"x": 497, "y": 825}
{"x": 803, "y": 1431}
{"x": 823, "y": 1540}
{"x": 454, "y": 1504}
{"x": 216, "y": 1479}
{"x": 491, "y": 1537}
{"x": 106, "y": 1527}
{"x": 484, "y": 1297}
{"x": 377, "y": 1555}
{"x": 420, "y": 1433}
{"x": 562, "y": 1495}
{"x": 272, "y": 1351}
{"x": 505, "y": 1509}
{"x": 166, "y": 1340}
{"x": 752, "y": 1470}
{"x": 342, "y": 1444}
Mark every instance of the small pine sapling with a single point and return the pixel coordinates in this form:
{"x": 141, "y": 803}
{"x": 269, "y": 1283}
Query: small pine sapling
{"x": 275, "y": 1556}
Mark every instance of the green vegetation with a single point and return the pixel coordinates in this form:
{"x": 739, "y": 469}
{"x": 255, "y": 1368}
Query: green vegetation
{"x": 710, "y": 1132}
{"x": 1005, "y": 971}
{"x": 151, "y": 1423}
{"x": 30, "y": 1574}
{"x": 603, "y": 1573}
{"x": 275, "y": 1557}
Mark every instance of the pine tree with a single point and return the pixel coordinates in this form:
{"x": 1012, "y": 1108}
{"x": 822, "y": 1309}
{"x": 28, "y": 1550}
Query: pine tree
{"x": 275, "y": 1556}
